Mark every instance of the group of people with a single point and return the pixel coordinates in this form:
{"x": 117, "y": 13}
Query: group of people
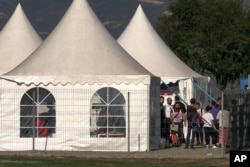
{"x": 200, "y": 124}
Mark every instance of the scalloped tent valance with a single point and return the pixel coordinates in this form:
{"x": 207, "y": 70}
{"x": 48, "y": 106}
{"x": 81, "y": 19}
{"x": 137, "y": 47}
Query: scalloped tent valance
{"x": 85, "y": 79}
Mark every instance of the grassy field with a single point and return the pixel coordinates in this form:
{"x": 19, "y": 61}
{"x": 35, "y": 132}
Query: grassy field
{"x": 83, "y": 162}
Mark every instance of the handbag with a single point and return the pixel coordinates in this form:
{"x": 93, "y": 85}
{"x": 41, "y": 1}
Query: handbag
{"x": 174, "y": 128}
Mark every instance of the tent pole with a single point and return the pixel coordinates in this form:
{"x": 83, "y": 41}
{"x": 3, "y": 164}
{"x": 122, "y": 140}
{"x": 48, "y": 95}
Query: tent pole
{"x": 222, "y": 117}
{"x": 128, "y": 122}
{"x": 139, "y": 143}
{"x": 33, "y": 120}
{"x": 149, "y": 120}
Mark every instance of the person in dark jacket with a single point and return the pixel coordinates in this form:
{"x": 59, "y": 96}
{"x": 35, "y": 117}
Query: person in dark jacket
{"x": 191, "y": 114}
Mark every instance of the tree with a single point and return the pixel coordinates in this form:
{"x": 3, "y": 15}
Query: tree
{"x": 211, "y": 36}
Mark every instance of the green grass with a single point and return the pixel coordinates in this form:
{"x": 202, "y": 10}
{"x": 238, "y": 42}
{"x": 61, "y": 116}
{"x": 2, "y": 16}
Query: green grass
{"x": 83, "y": 162}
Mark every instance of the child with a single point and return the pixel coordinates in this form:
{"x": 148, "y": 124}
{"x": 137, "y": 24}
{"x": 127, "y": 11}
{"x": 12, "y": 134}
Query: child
{"x": 209, "y": 127}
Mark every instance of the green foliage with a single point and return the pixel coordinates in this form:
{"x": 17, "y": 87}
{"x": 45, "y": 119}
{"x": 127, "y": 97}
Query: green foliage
{"x": 210, "y": 36}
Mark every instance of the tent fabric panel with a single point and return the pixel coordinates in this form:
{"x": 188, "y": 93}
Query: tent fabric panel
{"x": 157, "y": 57}
{"x": 79, "y": 45}
{"x": 18, "y": 39}
{"x": 72, "y": 118}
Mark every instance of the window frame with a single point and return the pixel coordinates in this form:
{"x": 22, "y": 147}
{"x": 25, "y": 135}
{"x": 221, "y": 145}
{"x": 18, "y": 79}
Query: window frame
{"x": 37, "y": 113}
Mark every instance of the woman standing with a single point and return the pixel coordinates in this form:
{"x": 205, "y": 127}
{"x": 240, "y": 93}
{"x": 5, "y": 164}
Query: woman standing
{"x": 224, "y": 121}
{"x": 178, "y": 118}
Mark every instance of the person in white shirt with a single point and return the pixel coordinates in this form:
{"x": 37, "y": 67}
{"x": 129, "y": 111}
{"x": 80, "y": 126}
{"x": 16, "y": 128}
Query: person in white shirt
{"x": 209, "y": 127}
{"x": 168, "y": 109}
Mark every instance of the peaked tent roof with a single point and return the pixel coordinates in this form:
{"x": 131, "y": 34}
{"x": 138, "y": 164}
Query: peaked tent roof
{"x": 18, "y": 40}
{"x": 79, "y": 45}
{"x": 145, "y": 45}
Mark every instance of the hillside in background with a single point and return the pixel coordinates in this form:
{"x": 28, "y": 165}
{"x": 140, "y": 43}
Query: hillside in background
{"x": 114, "y": 14}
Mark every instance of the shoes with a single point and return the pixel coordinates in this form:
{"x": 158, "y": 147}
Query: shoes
{"x": 218, "y": 145}
{"x": 192, "y": 147}
{"x": 214, "y": 146}
{"x": 198, "y": 143}
{"x": 186, "y": 147}
{"x": 208, "y": 146}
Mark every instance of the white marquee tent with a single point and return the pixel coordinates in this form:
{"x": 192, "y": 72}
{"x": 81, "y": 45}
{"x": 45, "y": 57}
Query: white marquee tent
{"x": 18, "y": 40}
{"x": 80, "y": 90}
{"x": 142, "y": 42}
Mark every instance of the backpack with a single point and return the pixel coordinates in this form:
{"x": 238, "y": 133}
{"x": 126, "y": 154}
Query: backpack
{"x": 200, "y": 120}
{"x": 174, "y": 139}
{"x": 195, "y": 123}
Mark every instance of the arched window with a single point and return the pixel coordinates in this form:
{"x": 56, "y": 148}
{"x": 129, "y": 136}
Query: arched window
{"x": 107, "y": 113}
{"x": 38, "y": 115}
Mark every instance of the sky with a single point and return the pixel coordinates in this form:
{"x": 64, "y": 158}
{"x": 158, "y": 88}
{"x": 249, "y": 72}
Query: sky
{"x": 114, "y": 14}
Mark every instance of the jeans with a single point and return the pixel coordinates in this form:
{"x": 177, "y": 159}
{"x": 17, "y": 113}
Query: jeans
{"x": 165, "y": 128}
{"x": 199, "y": 135}
{"x": 180, "y": 131}
{"x": 189, "y": 130}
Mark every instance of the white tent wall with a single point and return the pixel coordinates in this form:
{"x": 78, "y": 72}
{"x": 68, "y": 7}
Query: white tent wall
{"x": 197, "y": 88}
{"x": 186, "y": 89}
{"x": 73, "y": 115}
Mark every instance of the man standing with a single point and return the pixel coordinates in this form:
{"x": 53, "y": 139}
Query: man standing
{"x": 168, "y": 109}
{"x": 183, "y": 108}
{"x": 215, "y": 111}
{"x": 191, "y": 114}
{"x": 163, "y": 117}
